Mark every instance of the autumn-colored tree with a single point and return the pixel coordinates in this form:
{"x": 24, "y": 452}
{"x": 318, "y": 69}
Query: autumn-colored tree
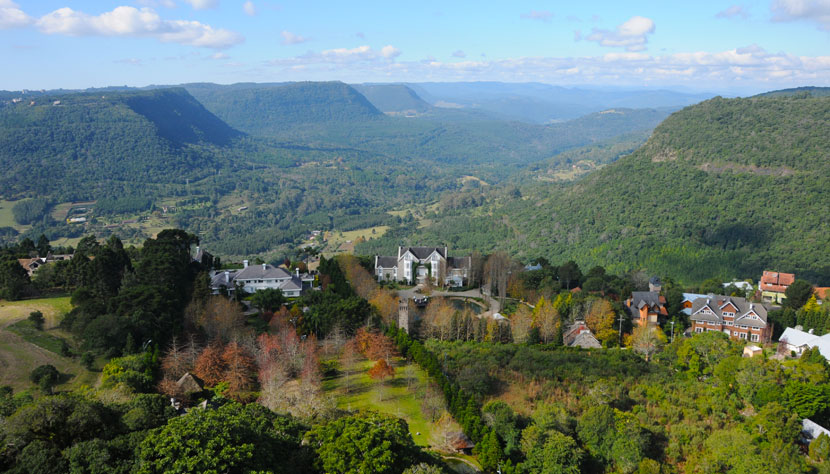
{"x": 436, "y": 319}
{"x": 240, "y": 368}
{"x": 647, "y": 340}
{"x": 218, "y": 317}
{"x": 386, "y": 303}
{"x": 381, "y": 370}
{"x": 599, "y": 316}
{"x": 546, "y": 317}
{"x": 522, "y": 322}
{"x": 175, "y": 361}
{"x": 170, "y": 388}
{"x": 210, "y": 366}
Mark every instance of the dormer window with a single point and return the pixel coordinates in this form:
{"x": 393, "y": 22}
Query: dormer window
{"x": 729, "y": 314}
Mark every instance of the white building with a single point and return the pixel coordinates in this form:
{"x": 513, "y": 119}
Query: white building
{"x": 253, "y": 278}
{"x": 416, "y": 264}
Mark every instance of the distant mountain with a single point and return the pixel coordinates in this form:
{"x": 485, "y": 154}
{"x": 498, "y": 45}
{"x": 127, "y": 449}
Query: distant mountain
{"x": 78, "y": 145}
{"x": 812, "y": 91}
{"x": 544, "y": 103}
{"x": 728, "y": 188}
{"x": 268, "y": 109}
{"x": 392, "y": 97}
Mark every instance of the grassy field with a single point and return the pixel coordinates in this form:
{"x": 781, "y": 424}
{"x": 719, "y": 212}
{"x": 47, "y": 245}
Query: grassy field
{"x": 18, "y": 357}
{"x": 344, "y": 241}
{"x": 393, "y": 396}
{"x": 7, "y": 218}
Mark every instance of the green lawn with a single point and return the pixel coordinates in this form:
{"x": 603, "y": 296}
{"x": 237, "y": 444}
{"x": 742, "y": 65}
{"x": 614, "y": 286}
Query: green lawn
{"x": 23, "y": 348}
{"x": 6, "y": 216}
{"x": 393, "y": 396}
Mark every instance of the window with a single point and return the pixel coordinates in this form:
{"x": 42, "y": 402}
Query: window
{"x": 698, "y": 329}
{"x": 734, "y": 333}
{"x": 710, "y": 323}
{"x": 743, "y": 326}
{"x": 725, "y": 313}
{"x": 754, "y": 337}
{"x": 729, "y": 323}
{"x": 742, "y": 335}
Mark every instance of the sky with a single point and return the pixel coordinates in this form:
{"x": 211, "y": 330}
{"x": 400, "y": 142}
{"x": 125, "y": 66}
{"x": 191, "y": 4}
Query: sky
{"x": 711, "y": 46}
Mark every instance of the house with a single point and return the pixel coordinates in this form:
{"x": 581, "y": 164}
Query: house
{"x": 579, "y": 335}
{"x": 688, "y": 299}
{"x": 752, "y": 351}
{"x": 646, "y": 306}
{"x": 654, "y": 284}
{"x": 774, "y": 284}
{"x": 416, "y": 264}
{"x": 33, "y": 264}
{"x": 732, "y": 315}
{"x": 795, "y": 340}
{"x": 253, "y": 278}
{"x": 811, "y": 430}
{"x": 821, "y": 293}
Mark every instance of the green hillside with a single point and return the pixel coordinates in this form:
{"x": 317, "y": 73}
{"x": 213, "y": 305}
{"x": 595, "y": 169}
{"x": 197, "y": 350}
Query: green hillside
{"x": 725, "y": 188}
{"x": 80, "y": 146}
{"x": 392, "y": 97}
{"x": 268, "y": 109}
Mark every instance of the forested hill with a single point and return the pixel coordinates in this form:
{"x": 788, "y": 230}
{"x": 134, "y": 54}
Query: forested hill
{"x": 84, "y": 145}
{"x": 266, "y": 109}
{"x": 726, "y": 188}
{"x": 392, "y": 97}
{"x": 800, "y": 91}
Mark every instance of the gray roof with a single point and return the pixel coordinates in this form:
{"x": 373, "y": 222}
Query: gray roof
{"x": 650, "y": 298}
{"x": 586, "y": 340}
{"x": 716, "y": 304}
{"x": 262, "y": 272}
{"x": 811, "y": 430}
{"x": 219, "y": 278}
{"x": 387, "y": 262}
{"x": 422, "y": 252}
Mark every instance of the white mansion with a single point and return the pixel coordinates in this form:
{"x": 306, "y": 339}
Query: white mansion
{"x": 416, "y": 264}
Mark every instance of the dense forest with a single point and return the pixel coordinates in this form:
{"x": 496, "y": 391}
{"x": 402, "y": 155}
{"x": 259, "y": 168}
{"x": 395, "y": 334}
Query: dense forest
{"x": 725, "y": 188}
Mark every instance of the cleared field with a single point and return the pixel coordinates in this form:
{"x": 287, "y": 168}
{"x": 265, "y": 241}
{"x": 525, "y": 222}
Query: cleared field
{"x": 19, "y": 357}
{"x": 344, "y": 241}
{"x": 7, "y": 218}
{"x": 395, "y": 396}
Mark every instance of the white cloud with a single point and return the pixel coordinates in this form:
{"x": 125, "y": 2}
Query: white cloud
{"x": 132, "y": 22}
{"x": 734, "y": 11}
{"x": 390, "y": 52}
{"x": 157, "y": 3}
{"x": 219, "y": 55}
{"x": 290, "y": 38}
{"x": 459, "y": 54}
{"x": 11, "y": 16}
{"x": 203, "y": 4}
{"x": 810, "y": 10}
{"x": 748, "y": 67}
{"x": 539, "y": 15}
{"x": 249, "y": 8}
{"x": 631, "y": 35}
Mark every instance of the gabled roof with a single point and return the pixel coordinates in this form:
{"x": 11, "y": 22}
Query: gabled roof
{"x": 422, "y": 253}
{"x": 219, "y": 278}
{"x": 262, "y": 272}
{"x": 775, "y": 281}
{"x": 795, "y": 337}
{"x": 692, "y": 296}
{"x": 387, "y": 262}
{"x": 716, "y": 303}
{"x": 586, "y": 340}
{"x": 189, "y": 383}
{"x": 649, "y": 298}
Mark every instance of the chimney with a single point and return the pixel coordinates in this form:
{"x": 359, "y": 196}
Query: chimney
{"x": 197, "y": 250}
{"x": 227, "y": 277}
{"x": 244, "y": 263}
{"x": 297, "y": 270}
{"x": 810, "y": 331}
{"x": 263, "y": 267}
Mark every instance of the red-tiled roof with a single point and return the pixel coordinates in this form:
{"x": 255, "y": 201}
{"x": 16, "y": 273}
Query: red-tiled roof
{"x": 776, "y": 281}
{"x": 821, "y": 292}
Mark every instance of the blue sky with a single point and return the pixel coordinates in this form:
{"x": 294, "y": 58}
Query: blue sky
{"x": 720, "y": 47}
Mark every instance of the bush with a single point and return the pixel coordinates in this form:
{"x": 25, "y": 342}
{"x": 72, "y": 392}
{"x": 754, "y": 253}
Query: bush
{"x": 37, "y": 319}
{"x": 45, "y": 376}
